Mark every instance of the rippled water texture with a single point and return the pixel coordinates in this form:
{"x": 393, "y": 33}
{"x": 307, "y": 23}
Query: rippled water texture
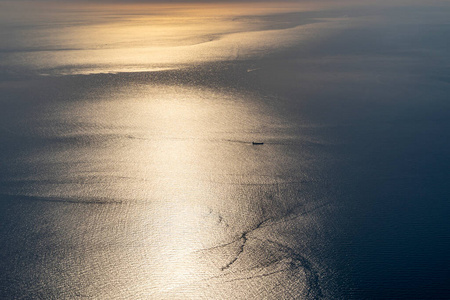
{"x": 214, "y": 151}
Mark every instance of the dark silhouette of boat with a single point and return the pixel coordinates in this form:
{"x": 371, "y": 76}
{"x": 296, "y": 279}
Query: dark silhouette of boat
{"x": 257, "y": 143}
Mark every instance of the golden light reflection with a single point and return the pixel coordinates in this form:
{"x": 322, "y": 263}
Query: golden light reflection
{"x": 174, "y": 140}
{"x": 148, "y": 37}
{"x": 171, "y": 167}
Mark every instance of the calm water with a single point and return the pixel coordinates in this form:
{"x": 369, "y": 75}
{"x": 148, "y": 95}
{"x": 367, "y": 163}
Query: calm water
{"x": 127, "y": 169}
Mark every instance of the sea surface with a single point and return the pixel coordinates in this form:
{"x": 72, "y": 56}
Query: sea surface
{"x": 128, "y": 168}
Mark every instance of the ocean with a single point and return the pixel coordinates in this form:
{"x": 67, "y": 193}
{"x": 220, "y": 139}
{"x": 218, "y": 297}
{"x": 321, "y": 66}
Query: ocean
{"x": 266, "y": 150}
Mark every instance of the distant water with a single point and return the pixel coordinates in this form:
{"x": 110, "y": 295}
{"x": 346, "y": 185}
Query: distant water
{"x": 128, "y": 169}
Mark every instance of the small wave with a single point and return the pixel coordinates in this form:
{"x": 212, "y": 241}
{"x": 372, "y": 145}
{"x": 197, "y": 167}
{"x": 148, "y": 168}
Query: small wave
{"x": 29, "y": 198}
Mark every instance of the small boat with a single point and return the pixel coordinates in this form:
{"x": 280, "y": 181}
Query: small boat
{"x": 257, "y": 143}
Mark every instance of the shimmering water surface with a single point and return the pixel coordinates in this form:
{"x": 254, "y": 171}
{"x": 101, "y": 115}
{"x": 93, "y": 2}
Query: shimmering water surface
{"x": 128, "y": 169}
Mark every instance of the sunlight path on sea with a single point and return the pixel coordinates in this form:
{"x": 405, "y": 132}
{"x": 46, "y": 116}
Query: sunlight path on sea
{"x": 140, "y": 168}
{"x": 111, "y": 38}
{"x": 159, "y": 192}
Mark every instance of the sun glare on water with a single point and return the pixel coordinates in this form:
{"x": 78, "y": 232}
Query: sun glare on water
{"x": 132, "y": 38}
